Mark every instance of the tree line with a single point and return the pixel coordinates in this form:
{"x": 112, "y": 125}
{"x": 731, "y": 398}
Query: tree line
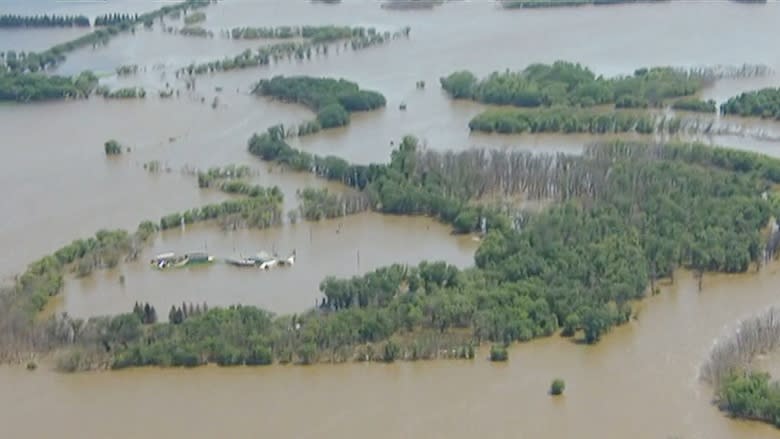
{"x": 628, "y": 214}
{"x": 290, "y": 50}
{"x": 46, "y": 20}
{"x": 531, "y": 4}
{"x": 114, "y": 19}
{"x": 54, "y": 55}
{"x": 764, "y": 103}
{"x": 262, "y": 209}
{"x": 38, "y": 87}
{"x": 569, "y": 84}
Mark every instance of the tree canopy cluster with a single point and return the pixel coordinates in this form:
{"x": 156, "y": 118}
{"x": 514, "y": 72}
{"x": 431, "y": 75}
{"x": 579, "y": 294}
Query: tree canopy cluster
{"x": 751, "y": 395}
{"x": 518, "y": 4}
{"x": 114, "y": 19}
{"x": 698, "y": 105}
{"x": 332, "y": 99}
{"x": 37, "y": 87}
{"x": 315, "y": 34}
{"x": 763, "y": 103}
{"x": 263, "y": 208}
{"x": 570, "y": 84}
{"x": 54, "y": 55}
{"x": 46, "y": 20}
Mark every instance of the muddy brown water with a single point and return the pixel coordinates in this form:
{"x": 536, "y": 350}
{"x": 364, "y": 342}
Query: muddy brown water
{"x": 639, "y": 382}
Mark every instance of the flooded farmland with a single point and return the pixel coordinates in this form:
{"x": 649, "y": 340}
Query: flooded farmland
{"x": 640, "y": 381}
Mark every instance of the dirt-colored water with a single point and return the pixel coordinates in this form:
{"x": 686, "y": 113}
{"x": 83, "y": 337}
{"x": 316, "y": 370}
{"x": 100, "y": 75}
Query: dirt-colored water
{"x": 639, "y": 382}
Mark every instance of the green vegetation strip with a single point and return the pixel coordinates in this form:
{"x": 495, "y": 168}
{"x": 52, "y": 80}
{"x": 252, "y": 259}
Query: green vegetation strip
{"x": 569, "y": 84}
{"x": 46, "y": 20}
{"x": 763, "y": 103}
{"x": 628, "y": 214}
{"x": 333, "y": 100}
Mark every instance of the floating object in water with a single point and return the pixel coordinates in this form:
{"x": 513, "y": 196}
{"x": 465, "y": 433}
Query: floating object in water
{"x": 402, "y": 107}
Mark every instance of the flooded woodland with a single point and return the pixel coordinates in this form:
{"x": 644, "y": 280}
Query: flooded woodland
{"x": 641, "y": 380}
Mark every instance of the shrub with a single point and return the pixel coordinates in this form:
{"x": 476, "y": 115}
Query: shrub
{"x": 557, "y": 387}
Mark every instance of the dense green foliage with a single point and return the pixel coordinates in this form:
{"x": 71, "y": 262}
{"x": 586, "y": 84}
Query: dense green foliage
{"x": 698, "y": 105}
{"x": 262, "y": 209}
{"x": 751, "y": 395}
{"x": 762, "y": 103}
{"x": 288, "y": 50}
{"x": 8, "y": 21}
{"x": 36, "y": 87}
{"x": 569, "y": 84}
{"x": 332, "y": 99}
{"x": 217, "y": 174}
{"x": 649, "y": 210}
{"x": 516, "y": 4}
{"x": 568, "y": 120}
{"x": 122, "y": 93}
{"x": 195, "y": 31}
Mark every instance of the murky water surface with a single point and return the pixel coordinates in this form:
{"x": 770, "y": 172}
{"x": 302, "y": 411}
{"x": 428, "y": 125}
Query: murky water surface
{"x": 639, "y": 382}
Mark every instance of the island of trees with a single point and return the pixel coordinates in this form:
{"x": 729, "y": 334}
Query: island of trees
{"x": 37, "y": 86}
{"x": 764, "y": 103}
{"x": 333, "y": 100}
{"x": 569, "y": 98}
{"x": 627, "y": 215}
{"x": 12, "y": 21}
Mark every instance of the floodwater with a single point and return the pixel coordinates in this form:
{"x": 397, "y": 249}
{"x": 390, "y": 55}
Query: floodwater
{"x": 340, "y": 247}
{"x": 639, "y": 382}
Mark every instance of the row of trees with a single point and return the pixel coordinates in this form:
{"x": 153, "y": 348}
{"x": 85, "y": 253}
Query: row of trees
{"x": 315, "y": 34}
{"x": 697, "y": 105}
{"x": 332, "y": 99}
{"x": 629, "y": 214}
{"x": 218, "y": 174}
{"x": 114, "y": 19}
{"x": 48, "y": 58}
{"x": 763, "y": 103}
{"x": 666, "y": 207}
{"x": 570, "y": 84}
{"x": 568, "y": 120}
{"x": 262, "y": 209}
{"x": 46, "y": 20}
{"x": 289, "y": 50}
{"x": 518, "y": 4}
{"x": 317, "y": 204}
{"x": 37, "y": 87}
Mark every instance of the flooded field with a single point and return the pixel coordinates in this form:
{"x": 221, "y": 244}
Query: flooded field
{"x": 341, "y": 247}
{"x": 640, "y": 381}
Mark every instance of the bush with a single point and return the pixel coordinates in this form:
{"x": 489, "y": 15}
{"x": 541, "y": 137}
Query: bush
{"x": 333, "y": 115}
{"x": 557, "y": 387}
{"x": 498, "y": 353}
